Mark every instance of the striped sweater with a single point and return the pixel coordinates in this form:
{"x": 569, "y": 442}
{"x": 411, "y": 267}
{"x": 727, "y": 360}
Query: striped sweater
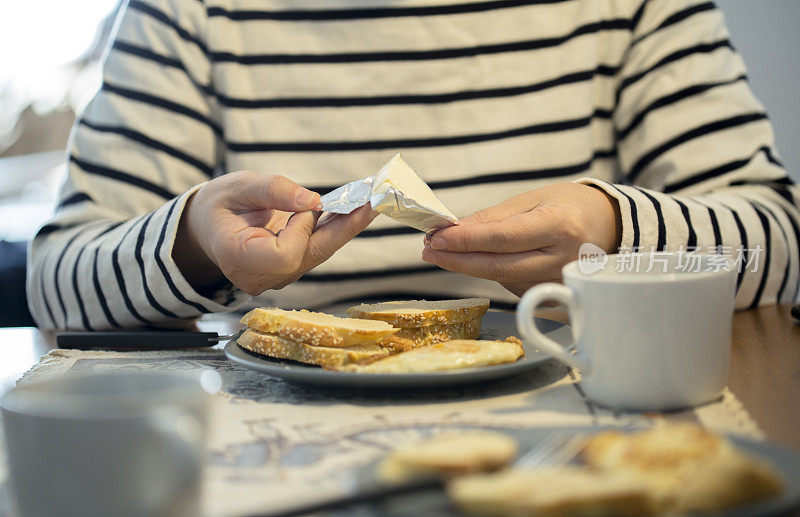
{"x": 646, "y": 99}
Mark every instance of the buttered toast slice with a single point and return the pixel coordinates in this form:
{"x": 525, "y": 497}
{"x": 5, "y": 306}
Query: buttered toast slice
{"x": 450, "y": 355}
{"x": 448, "y": 454}
{"x": 421, "y": 313}
{"x": 316, "y": 328}
{"x": 686, "y": 467}
{"x": 416, "y": 337}
{"x": 276, "y": 346}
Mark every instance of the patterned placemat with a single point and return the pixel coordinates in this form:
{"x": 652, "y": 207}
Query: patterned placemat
{"x": 273, "y": 444}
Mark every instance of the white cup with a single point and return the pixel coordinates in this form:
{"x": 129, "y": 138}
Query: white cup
{"x": 650, "y": 337}
{"x": 123, "y": 444}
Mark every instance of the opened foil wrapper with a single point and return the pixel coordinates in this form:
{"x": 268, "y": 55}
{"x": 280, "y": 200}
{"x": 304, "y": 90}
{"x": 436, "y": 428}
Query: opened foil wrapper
{"x": 395, "y": 191}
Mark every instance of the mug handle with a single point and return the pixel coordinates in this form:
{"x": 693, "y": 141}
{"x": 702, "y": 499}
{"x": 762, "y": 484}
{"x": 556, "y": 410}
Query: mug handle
{"x": 526, "y": 308}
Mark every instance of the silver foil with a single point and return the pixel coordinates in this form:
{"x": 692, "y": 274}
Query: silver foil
{"x": 389, "y": 199}
{"x": 348, "y": 197}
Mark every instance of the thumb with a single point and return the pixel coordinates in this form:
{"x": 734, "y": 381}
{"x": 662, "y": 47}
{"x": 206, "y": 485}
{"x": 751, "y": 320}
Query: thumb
{"x": 510, "y": 207}
{"x": 281, "y": 254}
{"x": 266, "y": 192}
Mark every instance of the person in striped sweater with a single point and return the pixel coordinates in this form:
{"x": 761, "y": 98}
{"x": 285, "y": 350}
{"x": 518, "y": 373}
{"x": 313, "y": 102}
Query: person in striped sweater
{"x": 542, "y": 123}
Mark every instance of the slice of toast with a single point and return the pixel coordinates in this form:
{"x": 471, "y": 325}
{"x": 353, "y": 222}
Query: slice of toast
{"x": 730, "y": 479}
{"x": 421, "y": 313}
{"x": 560, "y": 491}
{"x": 276, "y": 346}
{"x": 416, "y": 337}
{"x": 665, "y": 447}
{"x": 448, "y": 454}
{"x": 450, "y": 355}
{"x": 686, "y": 467}
{"x": 658, "y": 455}
{"x": 316, "y": 328}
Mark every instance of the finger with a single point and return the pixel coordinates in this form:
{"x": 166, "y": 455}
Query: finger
{"x": 521, "y": 232}
{"x": 273, "y": 220}
{"x": 260, "y": 218}
{"x": 509, "y": 207}
{"x": 326, "y": 216}
{"x": 278, "y": 221}
{"x": 294, "y": 239}
{"x": 315, "y": 256}
{"x": 262, "y": 251}
{"x": 255, "y": 191}
{"x": 335, "y": 233}
{"x": 530, "y": 266}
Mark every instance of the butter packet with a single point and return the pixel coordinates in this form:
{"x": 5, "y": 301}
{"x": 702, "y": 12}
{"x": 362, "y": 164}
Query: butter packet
{"x": 395, "y": 191}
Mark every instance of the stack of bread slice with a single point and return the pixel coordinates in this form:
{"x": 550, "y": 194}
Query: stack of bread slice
{"x": 420, "y": 336}
{"x": 423, "y": 323}
{"x": 313, "y": 337}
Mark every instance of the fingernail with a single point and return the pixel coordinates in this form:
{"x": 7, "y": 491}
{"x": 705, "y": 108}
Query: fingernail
{"x": 318, "y": 206}
{"x": 305, "y": 197}
{"x": 438, "y": 242}
{"x": 427, "y": 254}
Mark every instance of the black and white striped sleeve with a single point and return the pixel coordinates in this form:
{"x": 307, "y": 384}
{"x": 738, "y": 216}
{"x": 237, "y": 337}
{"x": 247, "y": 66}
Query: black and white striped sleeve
{"x": 138, "y": 151}
{"x": 697, "y": 151}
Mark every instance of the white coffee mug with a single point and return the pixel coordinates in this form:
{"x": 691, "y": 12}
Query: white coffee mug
{"x": 650, "y": 333}
{"x": 123, "y": 444}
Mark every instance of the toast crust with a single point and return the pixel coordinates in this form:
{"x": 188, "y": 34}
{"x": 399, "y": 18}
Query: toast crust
{"x": 279, "y": 347}
{"x": 422, "y": 313}
{"x": 316, "y": 328}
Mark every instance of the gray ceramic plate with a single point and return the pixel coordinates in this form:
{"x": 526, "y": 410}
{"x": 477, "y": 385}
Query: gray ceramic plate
{"x": 434, "y": 503}
{"x": 496, "y": 325}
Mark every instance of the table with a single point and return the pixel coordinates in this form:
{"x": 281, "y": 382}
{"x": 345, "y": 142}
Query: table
{"x": 765, "y": 364}
{"x": 765, "y": 371}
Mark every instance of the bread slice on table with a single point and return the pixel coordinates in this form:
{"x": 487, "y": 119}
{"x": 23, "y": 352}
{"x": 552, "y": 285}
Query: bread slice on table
{"x": 415, "y": 337}
{"x": 422, "y": 313}
{"x": 450, "y": 355}
{"x": 316, "y": 328}
{"x": 730, "y": 479}
{"x": 686, "y": 467}
{"x": 448, "y": 454}
{"x": 273, "y": 345}
{"x": 558, "y": 492}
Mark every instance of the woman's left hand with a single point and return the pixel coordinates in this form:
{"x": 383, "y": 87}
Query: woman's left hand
{"x": 528, "y": 238}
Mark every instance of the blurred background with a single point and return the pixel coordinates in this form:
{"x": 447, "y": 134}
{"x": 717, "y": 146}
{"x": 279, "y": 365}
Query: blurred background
{"x": 49, "y": 68}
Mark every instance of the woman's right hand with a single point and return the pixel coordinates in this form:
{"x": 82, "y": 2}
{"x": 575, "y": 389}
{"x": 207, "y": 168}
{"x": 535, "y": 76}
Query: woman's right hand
{"x": 258, "y": 231}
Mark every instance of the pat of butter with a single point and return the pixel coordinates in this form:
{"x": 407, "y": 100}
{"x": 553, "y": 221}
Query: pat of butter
{"x": 395, "y": 191}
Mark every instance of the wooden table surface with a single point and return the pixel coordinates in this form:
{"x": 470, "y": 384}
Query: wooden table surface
{"x": 765, "y": 371}
{"x": 765, "y": 365}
